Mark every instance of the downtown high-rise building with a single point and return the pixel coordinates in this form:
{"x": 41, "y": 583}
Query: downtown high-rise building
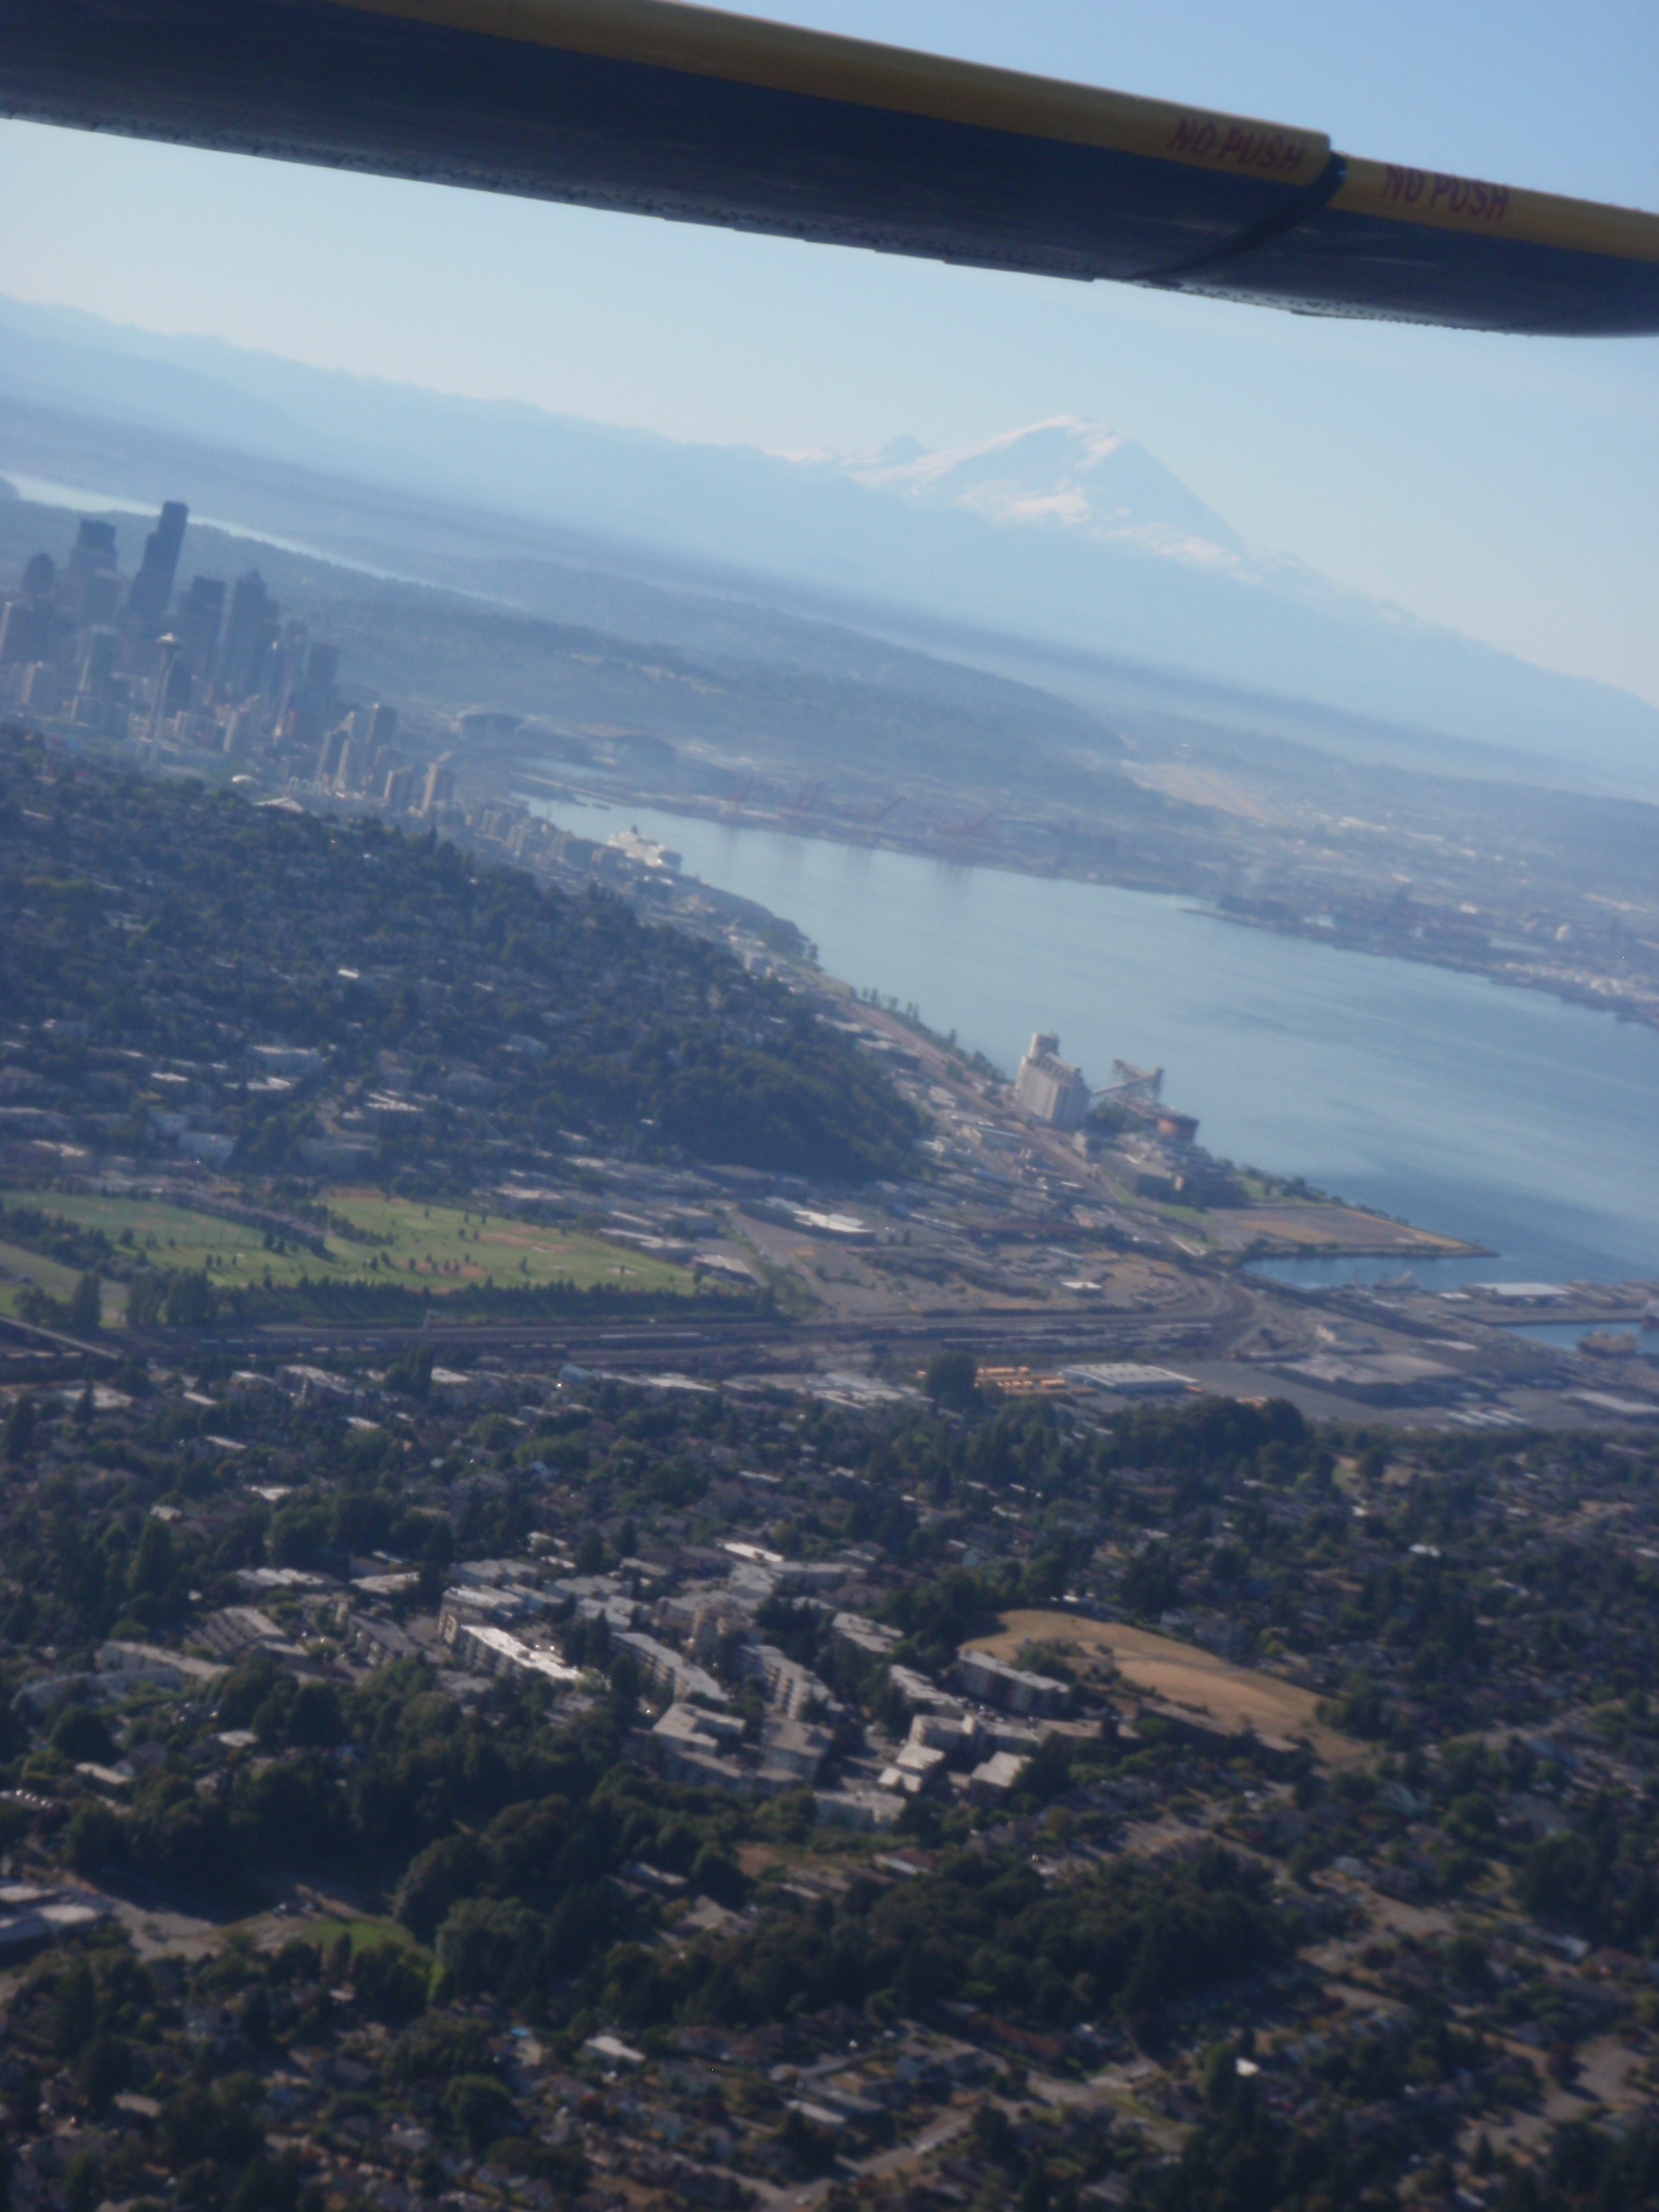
{"x": 440, "y": 785}
{"x": 250, "y": 632}
{"x": 90, "y": 589}
{"x": 22, "y": 629}
{"x": 201, "y": 611}
{"x": 152, "y": 587}
{"x": 316, "y": 690}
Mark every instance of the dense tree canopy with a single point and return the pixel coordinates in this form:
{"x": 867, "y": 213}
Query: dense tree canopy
{"x": 158, "y": 931}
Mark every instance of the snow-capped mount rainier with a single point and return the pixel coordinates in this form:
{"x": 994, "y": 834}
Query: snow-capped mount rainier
{"x": 1099, "y": 486}
{"x": 1064, "y": 474}
{"x": 1062, "y": 536}
{"x": 1075, "y": 535}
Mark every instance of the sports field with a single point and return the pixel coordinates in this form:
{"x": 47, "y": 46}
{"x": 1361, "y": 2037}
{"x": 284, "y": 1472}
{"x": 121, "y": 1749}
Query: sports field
{"x": 442, "y": 1248}
{"x": 1235, "y": 1698}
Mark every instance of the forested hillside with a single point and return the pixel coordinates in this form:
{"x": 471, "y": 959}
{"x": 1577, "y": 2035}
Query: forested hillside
{"x": 433, "y": 1012}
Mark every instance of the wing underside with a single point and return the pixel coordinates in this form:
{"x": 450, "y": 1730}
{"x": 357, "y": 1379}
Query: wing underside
{"x": 650, "y": 108}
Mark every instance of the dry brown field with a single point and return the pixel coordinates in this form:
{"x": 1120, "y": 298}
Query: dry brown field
{"x": 1235, "y": 1698}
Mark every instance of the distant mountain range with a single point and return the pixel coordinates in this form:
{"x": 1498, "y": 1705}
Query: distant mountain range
{"x": 1070, "y": 548}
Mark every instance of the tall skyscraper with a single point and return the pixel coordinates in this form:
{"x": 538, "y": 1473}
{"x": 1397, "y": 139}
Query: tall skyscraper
{"x": 99, "y": 660}
{"x": 152, "y": 587}
{"x": 322, "y": 670}
{"x": 440, "y": 785}
{"x": 92, "y": 580}
{"x": 328, "y": 760}
{"x": 94, "y": 548}
{"x": 166, "y": 700}
{"x": 20, "y": 626}
{"x": 287, "y": 667}
{"x": 201, "y": 610}
{"x": 383, "y": 726}
{"x": 249, "y": 634}
{"x": 41, "y": 577}
{"x": 25, "y": 622}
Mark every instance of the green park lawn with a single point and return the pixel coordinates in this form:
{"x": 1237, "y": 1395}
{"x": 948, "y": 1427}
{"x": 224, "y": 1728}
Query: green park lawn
{"x": 440, "y": 1248}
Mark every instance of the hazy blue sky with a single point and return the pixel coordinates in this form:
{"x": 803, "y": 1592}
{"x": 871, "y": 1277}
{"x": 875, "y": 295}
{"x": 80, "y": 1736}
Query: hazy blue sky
{"x": 1507, "y": 487}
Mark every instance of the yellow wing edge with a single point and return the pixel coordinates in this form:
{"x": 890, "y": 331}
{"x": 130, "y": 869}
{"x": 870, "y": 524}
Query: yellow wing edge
{"x": 781, "y": 57}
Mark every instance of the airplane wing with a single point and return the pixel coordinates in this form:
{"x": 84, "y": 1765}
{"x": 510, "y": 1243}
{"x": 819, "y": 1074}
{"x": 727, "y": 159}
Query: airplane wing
{"x": 653, "y": 107}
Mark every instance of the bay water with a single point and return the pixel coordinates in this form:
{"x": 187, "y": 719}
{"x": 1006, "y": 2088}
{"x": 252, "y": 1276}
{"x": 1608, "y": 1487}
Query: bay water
{"x": 1498, "y": 1116}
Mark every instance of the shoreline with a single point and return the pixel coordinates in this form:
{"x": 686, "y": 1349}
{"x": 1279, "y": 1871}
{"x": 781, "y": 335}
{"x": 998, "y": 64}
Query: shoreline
{"x": 1640, "y": 1013}
{"x": 1405, "y": 1243}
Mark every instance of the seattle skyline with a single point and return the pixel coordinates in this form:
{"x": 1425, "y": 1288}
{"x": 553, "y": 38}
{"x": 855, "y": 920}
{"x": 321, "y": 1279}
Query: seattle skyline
{"x": 1502, "y": 487}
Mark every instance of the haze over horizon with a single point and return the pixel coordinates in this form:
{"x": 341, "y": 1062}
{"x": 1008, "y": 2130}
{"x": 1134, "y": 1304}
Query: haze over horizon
{"x": 1062, "y": 533}
{"x": 1500, "y": 488}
